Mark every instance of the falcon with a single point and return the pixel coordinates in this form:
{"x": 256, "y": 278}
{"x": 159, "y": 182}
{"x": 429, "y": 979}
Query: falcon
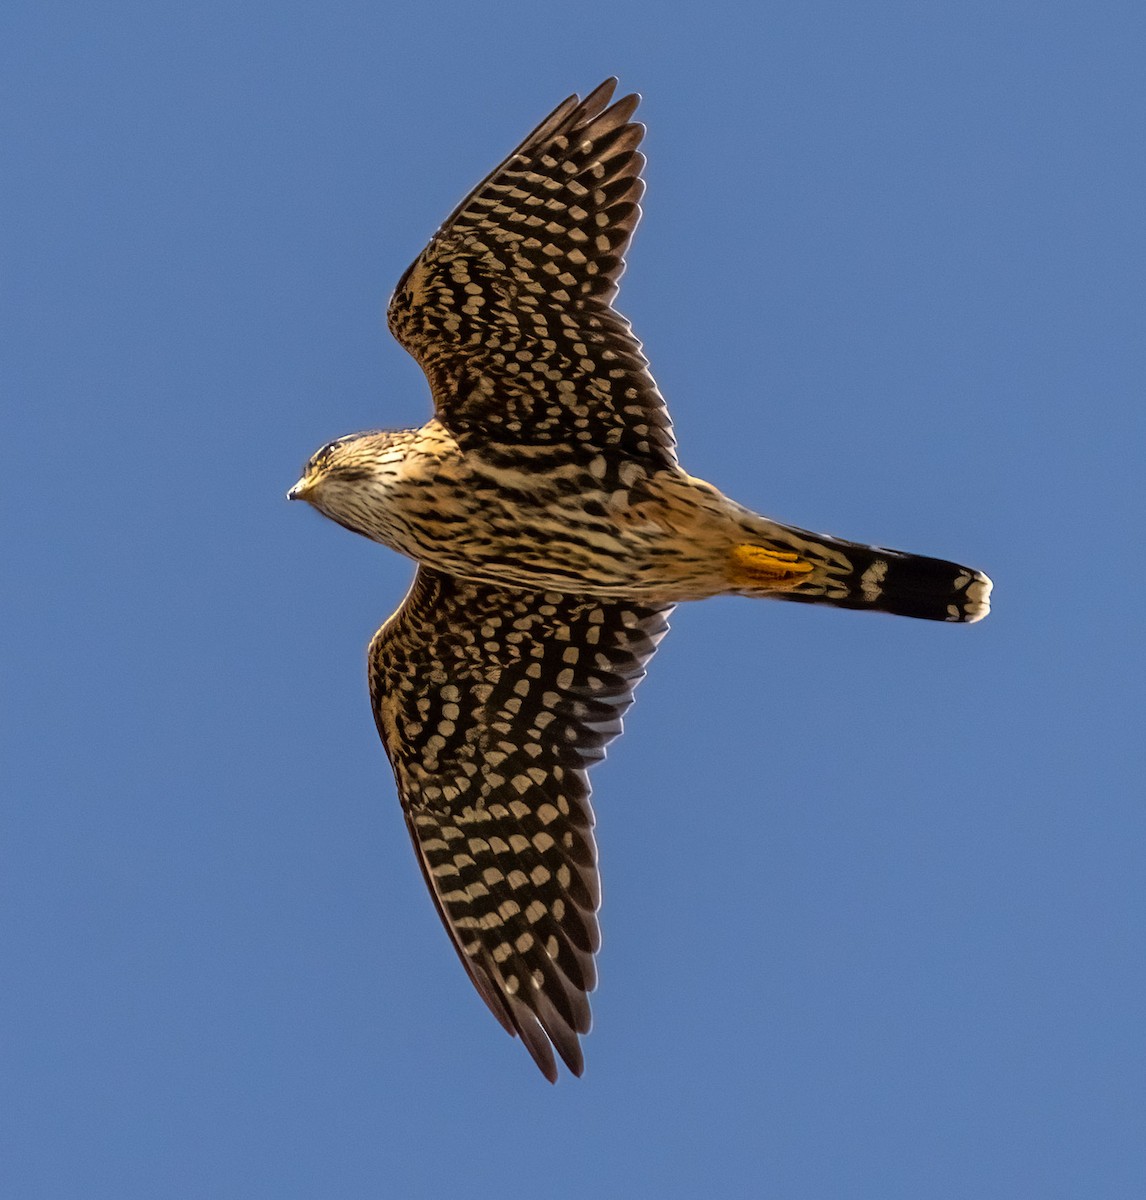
{"x": 553, "y": 530}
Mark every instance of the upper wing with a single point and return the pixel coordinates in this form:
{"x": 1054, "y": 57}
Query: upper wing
{"x": 492, "y": 704}
{"x": 508, "y": 308}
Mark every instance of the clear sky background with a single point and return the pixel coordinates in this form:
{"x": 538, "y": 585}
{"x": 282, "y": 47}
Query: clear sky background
{"x": 874, "y": 914}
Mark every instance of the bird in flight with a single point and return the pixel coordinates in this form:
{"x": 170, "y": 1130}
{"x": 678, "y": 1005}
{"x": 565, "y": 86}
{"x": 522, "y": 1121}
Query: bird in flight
{"x": 553, "y": 530}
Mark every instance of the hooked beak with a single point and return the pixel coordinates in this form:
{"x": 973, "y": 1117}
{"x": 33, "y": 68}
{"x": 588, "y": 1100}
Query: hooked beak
{"x": 301, "y": 490}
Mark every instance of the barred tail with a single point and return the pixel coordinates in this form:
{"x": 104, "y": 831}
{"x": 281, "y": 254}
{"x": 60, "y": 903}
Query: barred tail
{"x": 792, "y": 564}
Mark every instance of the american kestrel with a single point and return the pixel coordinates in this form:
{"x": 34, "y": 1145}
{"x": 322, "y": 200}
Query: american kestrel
{"x": 554, "y": 530}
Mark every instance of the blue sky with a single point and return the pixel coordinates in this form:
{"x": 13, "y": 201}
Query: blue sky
{"x": 874, "y": 913}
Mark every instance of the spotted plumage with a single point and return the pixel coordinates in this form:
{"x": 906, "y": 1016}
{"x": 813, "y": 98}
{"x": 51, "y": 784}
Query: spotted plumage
{"x": 508, "y": 308}
{"x": 492, "y": 703}
{"x": 554, "y": 530}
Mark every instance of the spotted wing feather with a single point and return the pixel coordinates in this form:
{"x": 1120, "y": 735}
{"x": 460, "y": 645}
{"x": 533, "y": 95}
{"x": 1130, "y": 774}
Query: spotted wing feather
{"x": 508, "y": 308}
{"x": 492, "y": 704}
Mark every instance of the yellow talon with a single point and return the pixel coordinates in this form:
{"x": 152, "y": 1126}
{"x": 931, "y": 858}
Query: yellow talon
{"x": 755, "y": 566}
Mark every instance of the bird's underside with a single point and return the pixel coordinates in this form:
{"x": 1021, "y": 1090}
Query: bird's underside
{"x": 554, "y": 530}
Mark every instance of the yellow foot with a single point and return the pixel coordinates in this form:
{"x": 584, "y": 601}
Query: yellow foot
{"x": 754, "y": 566}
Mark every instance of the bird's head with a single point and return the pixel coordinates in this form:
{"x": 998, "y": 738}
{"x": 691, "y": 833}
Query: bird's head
{"x": 347, "y": 480}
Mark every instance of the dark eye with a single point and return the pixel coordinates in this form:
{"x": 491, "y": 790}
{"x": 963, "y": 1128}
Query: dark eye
{"x": 320, "y": 458}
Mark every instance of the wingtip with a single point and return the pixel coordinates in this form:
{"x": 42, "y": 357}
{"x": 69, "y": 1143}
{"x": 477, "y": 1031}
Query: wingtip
{"x": 624, "y": 108}
{"x": 549, "y": 1071}
{"x": 602, "y": 98}
{"x": 598, "y": 99}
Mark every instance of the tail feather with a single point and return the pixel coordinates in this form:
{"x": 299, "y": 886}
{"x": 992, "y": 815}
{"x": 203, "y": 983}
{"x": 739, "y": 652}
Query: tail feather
{"x": 850, "y": 575}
